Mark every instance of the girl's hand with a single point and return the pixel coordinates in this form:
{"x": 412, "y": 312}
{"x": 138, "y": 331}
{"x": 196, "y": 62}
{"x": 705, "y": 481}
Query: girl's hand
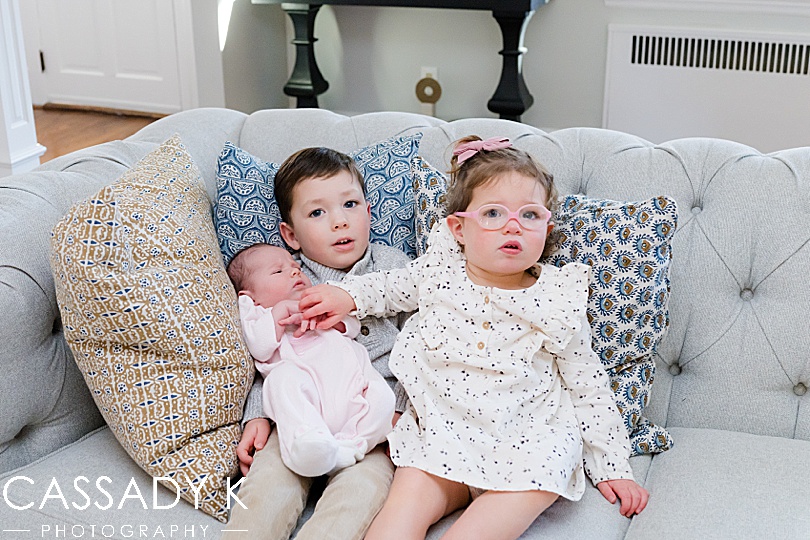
{"x": 325, "y": 304}
{"x": 632, "y": 496}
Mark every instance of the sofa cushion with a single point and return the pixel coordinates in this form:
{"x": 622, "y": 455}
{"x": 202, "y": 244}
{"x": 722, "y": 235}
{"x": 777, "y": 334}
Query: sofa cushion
{"x": 246, "y": 211}
{"x": 727, "y": 485}
{"x": 152, "y": 321}
{"x": 627, "y": 246}
{"x": 131, "y": 505}
{"x": 592, "y": 517}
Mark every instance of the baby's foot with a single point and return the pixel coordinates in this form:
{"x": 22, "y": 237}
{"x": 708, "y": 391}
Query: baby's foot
{"x": 350, "y": 451}
{"x": 345, "y": 458}
{"x": 313, "y": 452}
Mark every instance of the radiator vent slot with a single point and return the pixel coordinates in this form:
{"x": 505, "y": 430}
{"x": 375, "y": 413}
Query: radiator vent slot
{"x": 739, "y": 55}
{"x": 668, "y": 82}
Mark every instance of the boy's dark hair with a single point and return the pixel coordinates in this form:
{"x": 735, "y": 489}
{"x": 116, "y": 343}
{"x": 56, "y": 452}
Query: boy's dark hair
{"x": 309, "y": 163}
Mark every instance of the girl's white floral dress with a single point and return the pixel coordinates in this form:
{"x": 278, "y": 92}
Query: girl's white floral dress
{"x": 505, "y": 391}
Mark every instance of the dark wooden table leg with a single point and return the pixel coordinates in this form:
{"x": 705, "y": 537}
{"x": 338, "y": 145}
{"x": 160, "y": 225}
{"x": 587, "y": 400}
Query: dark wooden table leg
{"x": 512, "y": 97}
{"x": 306, "y": 82}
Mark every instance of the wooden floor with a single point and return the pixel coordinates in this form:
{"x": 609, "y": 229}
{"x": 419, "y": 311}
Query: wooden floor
{"x": 63, "y": 131}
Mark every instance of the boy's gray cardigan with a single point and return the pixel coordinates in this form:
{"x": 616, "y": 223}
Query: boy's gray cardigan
{"x": 377, "y": 335}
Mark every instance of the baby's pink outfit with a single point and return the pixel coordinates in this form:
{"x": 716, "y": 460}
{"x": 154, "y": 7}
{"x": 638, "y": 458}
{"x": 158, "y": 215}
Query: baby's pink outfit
{"x": 330, "y": 405}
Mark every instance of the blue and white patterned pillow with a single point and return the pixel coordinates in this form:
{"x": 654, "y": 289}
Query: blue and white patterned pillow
{"x": 386, "y": 168}
{"x": 246, "y": 211}
{"x": 627, "y": 246}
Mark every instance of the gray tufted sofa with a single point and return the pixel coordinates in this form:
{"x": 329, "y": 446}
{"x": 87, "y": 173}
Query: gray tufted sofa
{"x": 732, "y": 375}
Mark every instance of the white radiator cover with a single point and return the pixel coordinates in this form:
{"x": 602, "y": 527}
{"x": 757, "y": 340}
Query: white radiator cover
{"x": 666, "y": 83}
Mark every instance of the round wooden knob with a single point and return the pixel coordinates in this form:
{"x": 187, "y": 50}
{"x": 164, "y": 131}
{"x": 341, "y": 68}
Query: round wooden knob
{"x": 428, "y": 90}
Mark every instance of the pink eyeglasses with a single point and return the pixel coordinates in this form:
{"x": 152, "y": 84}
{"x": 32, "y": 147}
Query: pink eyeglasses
{"x": 492, "y": 217}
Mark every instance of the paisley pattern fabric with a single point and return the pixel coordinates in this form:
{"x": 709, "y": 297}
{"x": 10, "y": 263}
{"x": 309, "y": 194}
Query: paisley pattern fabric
{"x": 627, "y": 245}
{"x": 152, "y": 321}
{"x": 429, "y": 188}
{"x": 246, "y": 211}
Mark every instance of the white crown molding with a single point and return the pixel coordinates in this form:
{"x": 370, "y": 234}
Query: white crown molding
{"x": 775, "y": 7}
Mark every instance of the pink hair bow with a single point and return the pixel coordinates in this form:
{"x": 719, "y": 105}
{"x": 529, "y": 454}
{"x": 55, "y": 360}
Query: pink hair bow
{"x": 467, "y": 150}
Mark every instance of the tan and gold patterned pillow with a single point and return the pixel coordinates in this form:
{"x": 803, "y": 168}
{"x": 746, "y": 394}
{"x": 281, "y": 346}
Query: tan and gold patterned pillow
{"x": 153, "y": 323}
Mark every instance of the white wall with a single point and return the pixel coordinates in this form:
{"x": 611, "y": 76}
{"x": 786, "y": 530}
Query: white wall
{"x": 372, "y": 56}
{"x": 254, "y": 60}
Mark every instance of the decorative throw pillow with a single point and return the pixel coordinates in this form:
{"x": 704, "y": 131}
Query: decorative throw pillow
{"x": 246, "y": 211}
{"x": 153, "y": 323}
{"x": 627, "y": 245}
{"x": 429, "y": 188}
{"x": 386, "y": 168}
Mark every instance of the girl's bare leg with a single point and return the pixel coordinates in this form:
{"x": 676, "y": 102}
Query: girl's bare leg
{"x": 500, "y": 515}
{"x": 416, "y": 501}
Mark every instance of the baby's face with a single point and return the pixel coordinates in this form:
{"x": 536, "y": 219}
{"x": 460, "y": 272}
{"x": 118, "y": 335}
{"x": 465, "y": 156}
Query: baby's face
{"x": 274, "y": 276}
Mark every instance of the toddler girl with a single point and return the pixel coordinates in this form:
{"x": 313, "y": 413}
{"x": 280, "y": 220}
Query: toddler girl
{"x": 329, "y": 403}
{"x": 509, "y": 405}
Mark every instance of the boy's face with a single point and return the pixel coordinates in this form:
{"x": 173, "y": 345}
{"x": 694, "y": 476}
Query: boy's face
{"x": 330, "y": 220}
{"x": 274, "y": 276}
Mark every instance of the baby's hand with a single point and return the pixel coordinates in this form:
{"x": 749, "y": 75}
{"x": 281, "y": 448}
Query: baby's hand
{"x": 632, "y": 496}
{"x": 286, "y": 313}
{"x": 325, "y": 304}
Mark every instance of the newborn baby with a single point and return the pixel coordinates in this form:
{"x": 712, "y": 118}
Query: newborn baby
{"x": 330, "y": 405}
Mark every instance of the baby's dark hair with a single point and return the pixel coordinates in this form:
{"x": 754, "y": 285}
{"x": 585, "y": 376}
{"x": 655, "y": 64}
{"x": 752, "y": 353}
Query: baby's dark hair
{"x": 486, "y": 165}
{"x": 309, "y": 163}
{"x": 237, "y": 270}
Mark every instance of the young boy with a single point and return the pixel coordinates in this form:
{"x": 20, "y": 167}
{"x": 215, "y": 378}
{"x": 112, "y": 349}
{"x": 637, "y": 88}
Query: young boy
{"x": 321, "y": 196}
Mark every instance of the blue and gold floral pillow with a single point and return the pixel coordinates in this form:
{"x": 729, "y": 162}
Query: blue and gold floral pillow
{"x": 429, "y": 188}
{"x": 153, "y": 324}
{"x": 246, "y": 211}
{"x": 627, "y": 244}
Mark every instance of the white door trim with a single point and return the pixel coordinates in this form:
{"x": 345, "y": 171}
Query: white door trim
{"x": 19, "y": 149}
{"x": 186, "y": 55}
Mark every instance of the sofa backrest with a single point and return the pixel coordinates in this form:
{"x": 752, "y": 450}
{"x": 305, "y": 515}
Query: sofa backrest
{"x": 734, "y": 357}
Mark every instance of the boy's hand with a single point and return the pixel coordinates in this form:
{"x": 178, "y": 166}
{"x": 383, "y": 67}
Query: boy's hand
{"x": 632, "y": 496}
{"x": 325, "y": 304}
{"x": 254, "y": 437}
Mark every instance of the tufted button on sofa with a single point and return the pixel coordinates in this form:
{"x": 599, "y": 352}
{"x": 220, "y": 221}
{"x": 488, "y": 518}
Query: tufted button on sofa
{"x": 732, "y": 370}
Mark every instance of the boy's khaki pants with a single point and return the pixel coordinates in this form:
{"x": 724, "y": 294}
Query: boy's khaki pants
{"x": 275, "y": 497}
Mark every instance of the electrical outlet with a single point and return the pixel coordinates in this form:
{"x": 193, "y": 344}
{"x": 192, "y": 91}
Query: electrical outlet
{"x": 429, "y": 71}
